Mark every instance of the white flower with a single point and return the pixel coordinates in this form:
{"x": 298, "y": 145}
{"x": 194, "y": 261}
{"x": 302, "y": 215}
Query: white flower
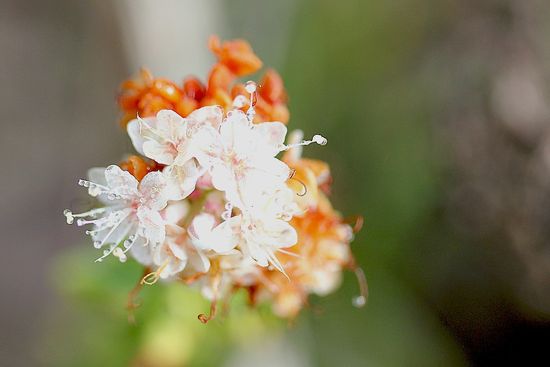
{"x": 260, "y": 239}
{"x": 131, "y": 212}
{"x": 166, "y": 138}
{"x": 172, "y": 140}
{"x": 176, "y": 253}
{"x": 206, "y": 235}
{"x": 242, "y": 158}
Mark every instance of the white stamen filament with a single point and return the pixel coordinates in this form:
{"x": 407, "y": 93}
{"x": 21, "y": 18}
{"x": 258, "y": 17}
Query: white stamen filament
{"x": 115, "y": 226}
{"x": 251, "y": 87}
{"x": 317, "y": 139}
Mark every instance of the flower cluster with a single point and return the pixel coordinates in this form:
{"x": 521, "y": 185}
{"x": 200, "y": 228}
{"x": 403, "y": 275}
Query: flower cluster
{"x": 216, "y": 198}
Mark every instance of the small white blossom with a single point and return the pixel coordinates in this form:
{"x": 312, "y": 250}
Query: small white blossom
{"x": 206, "y": 235}
{"x": 131, "y": 212}
{"x": 242, "y": 159}
{"x": 172, "y": 140}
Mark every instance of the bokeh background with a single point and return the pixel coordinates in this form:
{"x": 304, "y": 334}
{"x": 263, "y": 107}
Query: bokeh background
{"x": 438, "y": 120}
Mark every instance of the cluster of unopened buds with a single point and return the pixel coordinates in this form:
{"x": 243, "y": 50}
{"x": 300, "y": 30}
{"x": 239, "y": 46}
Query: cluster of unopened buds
{"x": 218, "y": 197}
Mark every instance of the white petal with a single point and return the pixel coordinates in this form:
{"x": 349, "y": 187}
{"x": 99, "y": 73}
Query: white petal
{"x": 160, "y": 152}
{"x": 224, "y": 180}
{"x": 182, "y": 180}
{"x": 199, "y": 261}
{"x": 205, "y": 237}
{"x": 141, "y": 253}
{"x": 177, "y": 250}
{"x": 153, "y": 189}
{"x": 135, "y": 133}
{"x": 175, "y": 211}
{"x": 236, "y": 133}
{"x": 210, "y": 115}
{"x": 120, "y": 182}
{"x": 201, "y": 226}
{"x": 283, "y": 234}
{"x": 272, "y": 135}
{"x": 205, "y": 145}
{"x": 152, "y": 224}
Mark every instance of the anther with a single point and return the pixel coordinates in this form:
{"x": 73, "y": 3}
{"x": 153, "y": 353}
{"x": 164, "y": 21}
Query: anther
{"x": 250, "y": 87}
{"x": 69, "y": 216}
{"x": 317, "y": 139}
{"x": 321, "y": 140}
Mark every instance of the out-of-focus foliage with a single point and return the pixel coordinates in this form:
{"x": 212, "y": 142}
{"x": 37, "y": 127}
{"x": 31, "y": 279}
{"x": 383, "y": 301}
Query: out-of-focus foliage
{"x": 163, "y": 331}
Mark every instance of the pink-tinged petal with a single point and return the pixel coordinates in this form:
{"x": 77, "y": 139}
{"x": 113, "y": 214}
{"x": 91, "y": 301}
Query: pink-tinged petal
{"x": 178, "y": 251}
{"x": 153, "y": 190}
{"x": 170, "y": 125}
{"x": 209, "y": 115}
{"x": 161, "y": 153}
{"x": 120, "y": 182}
{"x": 181, "y": 180}
{"x": 199, "y": 261}
{"x": 205, "y": 145}
{"x": 236, "y": 133}
{"x": 271, "y": 135}
{"x": 152, "y": 224}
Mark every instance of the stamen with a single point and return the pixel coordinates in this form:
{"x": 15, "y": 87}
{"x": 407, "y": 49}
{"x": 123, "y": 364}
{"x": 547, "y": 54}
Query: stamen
{"x": 213, "y": 308}
{"x": 120, "y": 254}
{"x": 154, "y": 276}
{"x": 132, "y": 299}
{"x": 115, "y": 226}
{"x": 70, "y": 216}
{"x": 317, "y": 139}
{"x": 361, "y": 300}
{"x": 290, "y": 253}
{"x": 356, "y": 222}
{"x": 94, "y": 189}
{"x": 303, "y": 185}
{"x": 215, "y": 287}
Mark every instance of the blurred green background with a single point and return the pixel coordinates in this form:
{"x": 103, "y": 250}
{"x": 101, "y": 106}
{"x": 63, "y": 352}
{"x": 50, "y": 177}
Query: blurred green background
{"x": 439, "y": 135}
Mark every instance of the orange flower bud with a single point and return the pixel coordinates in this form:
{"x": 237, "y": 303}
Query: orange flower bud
{"x": 218, "y": 97}
{"x": 220, "y": 77}
{"x": 186, "y": 105}
{"x": 151, "y": 103}
{"x": 272, "y": 88}
{"x": 237, "y": 55}
{"x": 138, "y": 167}
{"x": 193, "y": 88}
{"x": 166, "y": 89}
